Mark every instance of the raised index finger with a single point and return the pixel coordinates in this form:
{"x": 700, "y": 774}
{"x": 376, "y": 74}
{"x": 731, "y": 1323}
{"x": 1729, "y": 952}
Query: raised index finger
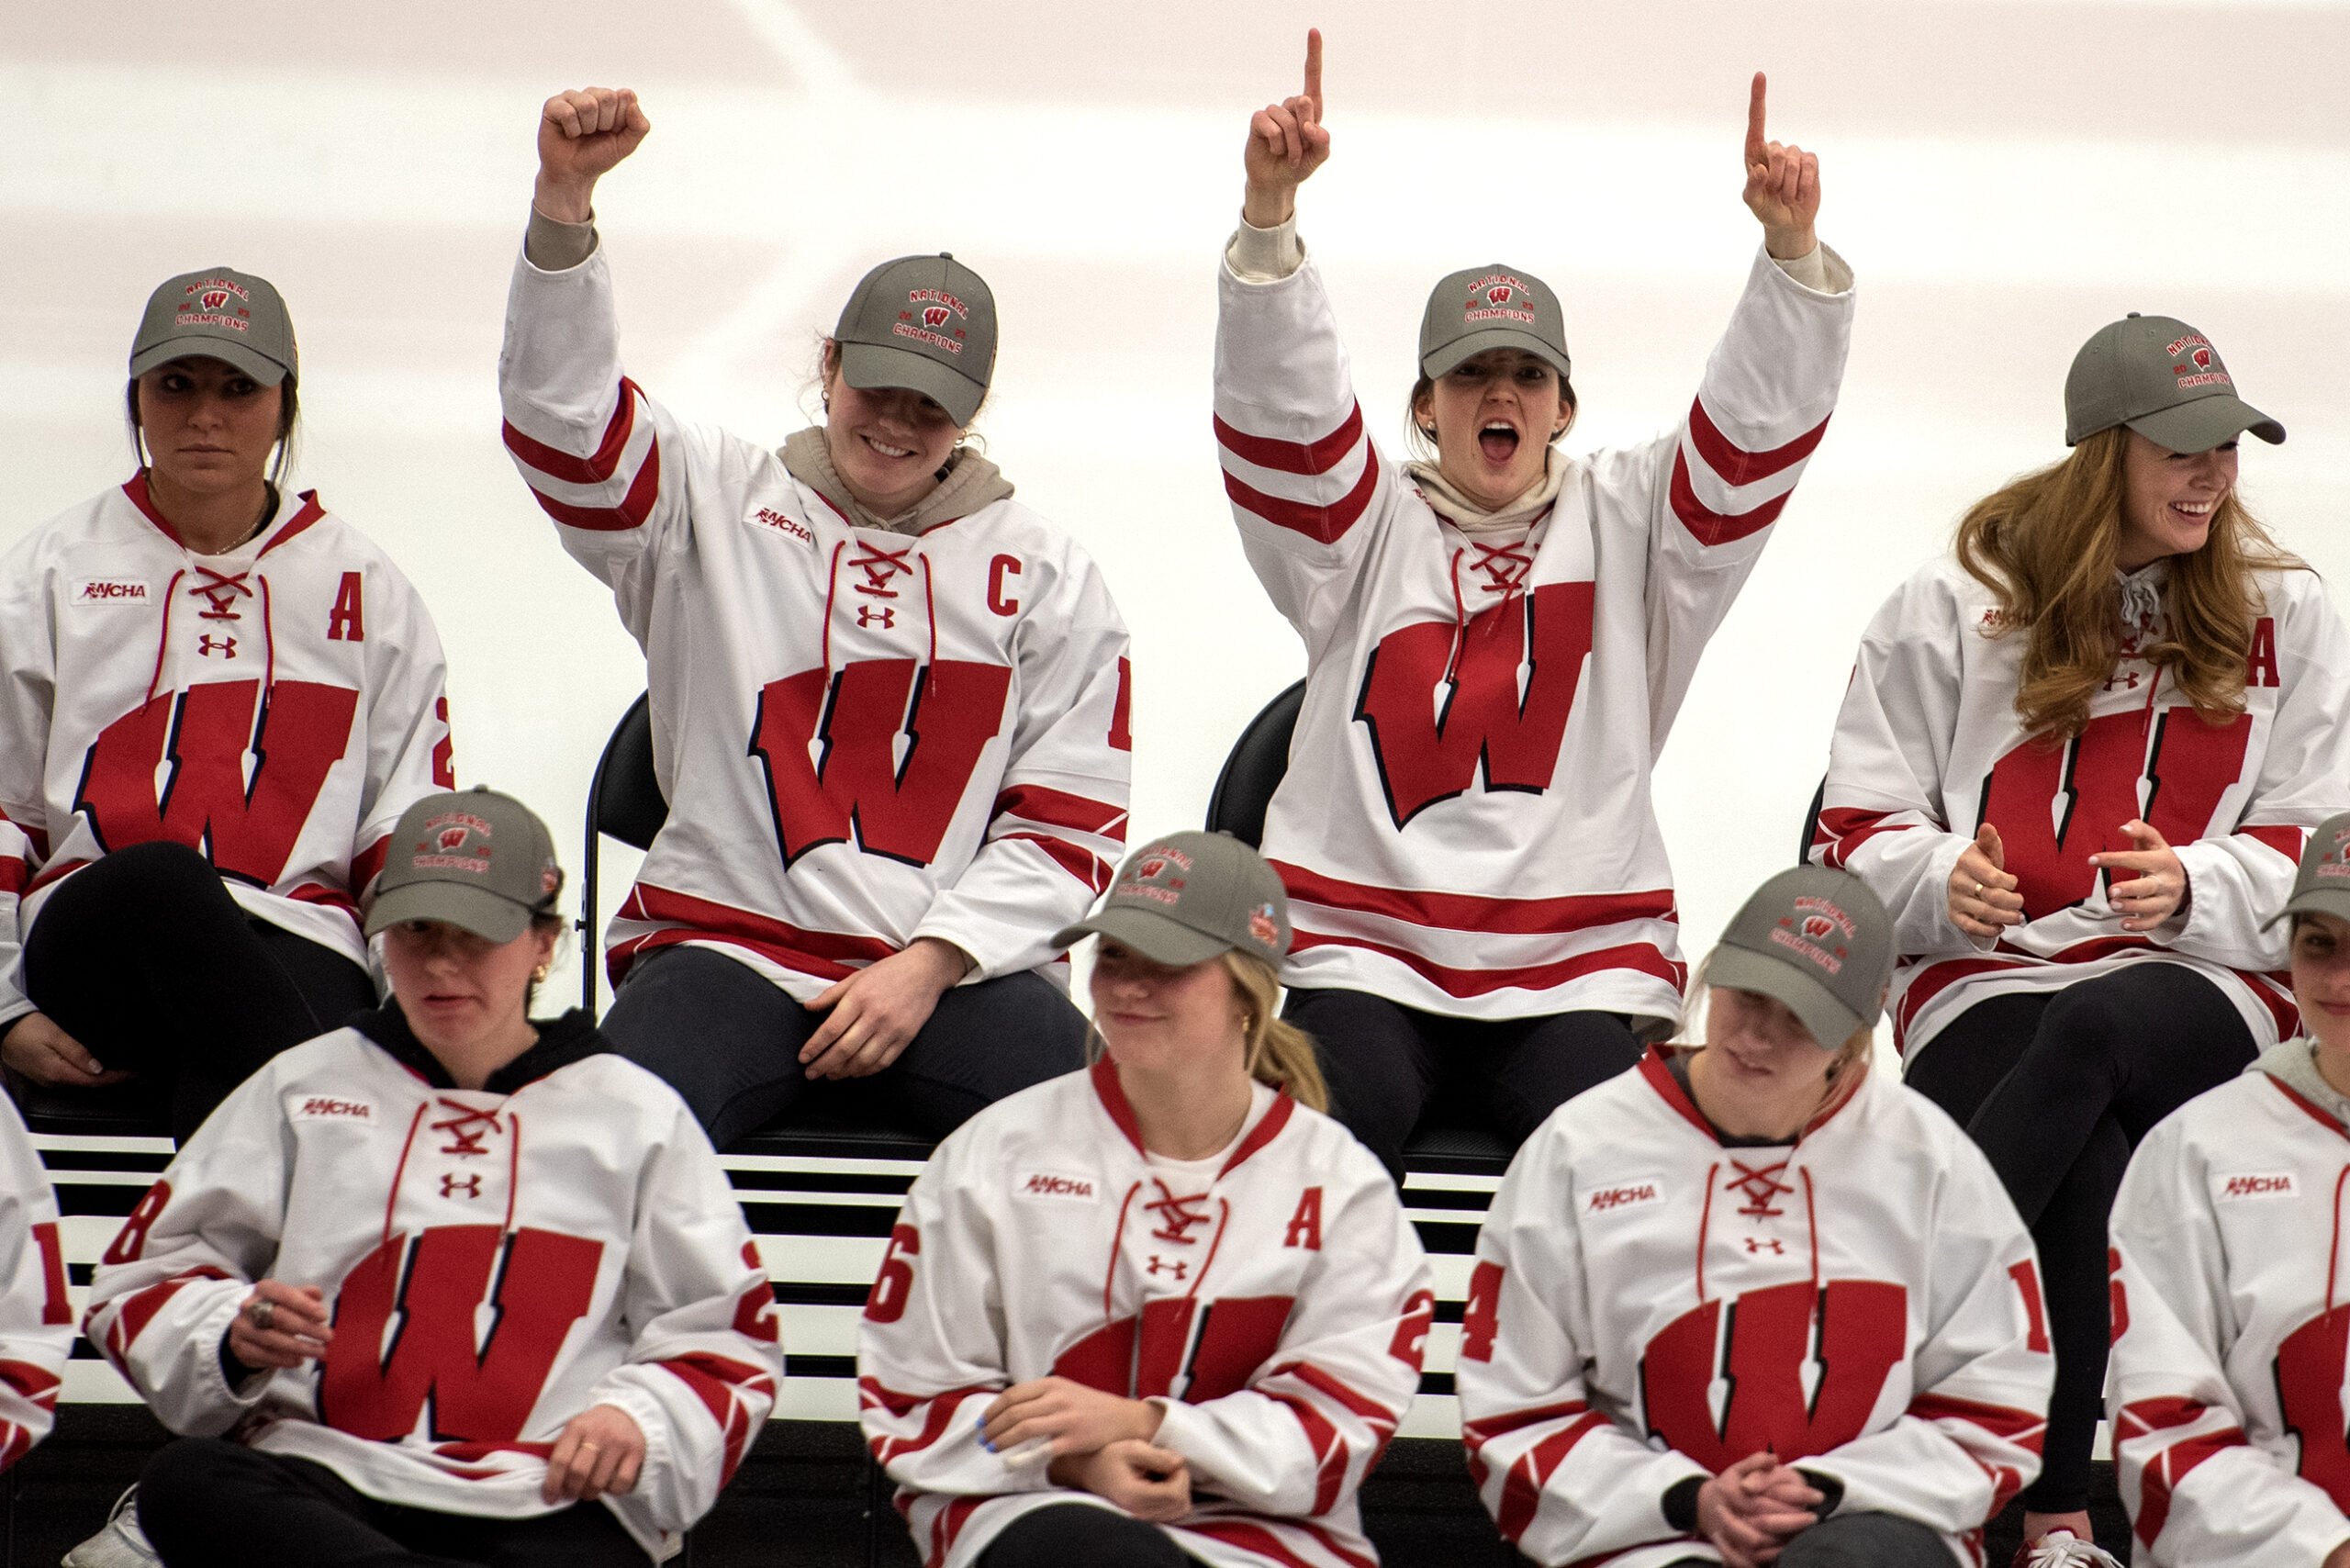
{"x": 1757, "y": 151}
{"x": 1314, "y": 69}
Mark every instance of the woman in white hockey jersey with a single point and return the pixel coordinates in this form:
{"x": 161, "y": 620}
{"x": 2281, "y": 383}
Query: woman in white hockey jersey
{"x": 1756, "y": 1302}
{"x": 1498, "y": 637}
{"x": 2230, "y": 1293}
{"x": 1161, "y": 1312}
{"x": 36, "y": 1319}
{"x": 198, "y": 615}
{"x": 2076, "y": 760}
{"x": 426, "y": 1282}
{"x": 888, "y": 701}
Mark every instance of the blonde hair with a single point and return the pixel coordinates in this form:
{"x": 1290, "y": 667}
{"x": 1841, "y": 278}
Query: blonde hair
{"x": 2047, "y": 546}
{"x": 1278, "y": 1052}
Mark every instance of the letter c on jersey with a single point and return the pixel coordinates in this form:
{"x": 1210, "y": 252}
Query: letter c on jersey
{"x": 1002, "y": 566}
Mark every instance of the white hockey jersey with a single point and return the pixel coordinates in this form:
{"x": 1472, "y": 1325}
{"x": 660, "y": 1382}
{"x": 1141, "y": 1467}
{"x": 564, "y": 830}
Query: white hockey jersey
{"x": 864, "y": 737}
{"x": 1651, "y": 1305}
{"x": 2231, "y": 1330}
{"x": 36, "y": 1319}
{"x": 293, "y": 687}
{"x": 1927, "y": 746}
{"x": 495, "y": 1265}
{"x": 1466, "y": 825}
{"x": 1275, "y": 1307}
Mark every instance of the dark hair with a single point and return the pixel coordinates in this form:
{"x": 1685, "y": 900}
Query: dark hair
{"x": 288, "y": 413}
{"x": 1422, "y": 445}
{"x": 547, "y": 920}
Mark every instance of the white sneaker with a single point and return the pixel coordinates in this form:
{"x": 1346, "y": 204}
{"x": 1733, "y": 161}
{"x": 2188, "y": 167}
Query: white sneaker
{"x": 122, "y": 1544}
{"x": 2058, "y": 1549}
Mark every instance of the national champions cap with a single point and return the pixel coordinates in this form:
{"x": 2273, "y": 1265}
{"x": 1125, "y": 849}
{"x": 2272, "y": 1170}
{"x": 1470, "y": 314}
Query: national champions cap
{"x": 1492, "y": 306}
{"x": 924, "y": 322}
{"x": 2164, "y": 380}
{"x": 476, "y": 859}
{"x": 218, "y": 313}
{"x": 1816, "y": 939}
{"x": 1183, "y": 899}
{"x": 2322, "y": 884}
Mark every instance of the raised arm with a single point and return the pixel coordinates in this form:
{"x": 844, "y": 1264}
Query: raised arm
{"x": 1782, "y": 185}
{"x": 584, "y": 134}
{"x": 1287, "y": 141}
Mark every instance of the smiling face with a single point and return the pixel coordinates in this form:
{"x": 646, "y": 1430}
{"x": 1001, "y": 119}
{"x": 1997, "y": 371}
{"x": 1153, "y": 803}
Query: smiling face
{"x": 887, "y": 444}
{"x": 1156, "y": 1019}
{"x": 2321, "y": 986}
{"x": 1761, "y": 1074}
{"x": 208, "y": 426}
{"x": 2169, "y": 497}
{"x": 1494, "y": 415}
{"x": 464, "y": 997}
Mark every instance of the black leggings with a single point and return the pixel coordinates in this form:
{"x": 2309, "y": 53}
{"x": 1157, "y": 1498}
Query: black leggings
{"x": 728, "y": 1041}
{"x": 209, "y": 1503}
{"x": 1082, "y": 1535}
{"x": 1385, "y": 1062}
{"x": 2056, "y": 1089}
{"x": 143, "y": 957}
{"x": 1854, "y": 1541}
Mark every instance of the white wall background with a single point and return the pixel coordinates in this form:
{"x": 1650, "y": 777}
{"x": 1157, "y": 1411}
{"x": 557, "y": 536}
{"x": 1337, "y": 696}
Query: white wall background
{"x": 2005, "y": 177}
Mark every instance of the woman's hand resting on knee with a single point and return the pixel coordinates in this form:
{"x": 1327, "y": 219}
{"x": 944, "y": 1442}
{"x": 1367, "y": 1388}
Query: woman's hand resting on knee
{"x": 600, "y": 1450}
{"x": 877, "y": 1011}
{"x": 1753, "y": 1509}
{"x": 47, "y": 1054}
{"x": 1152, "y": 1484}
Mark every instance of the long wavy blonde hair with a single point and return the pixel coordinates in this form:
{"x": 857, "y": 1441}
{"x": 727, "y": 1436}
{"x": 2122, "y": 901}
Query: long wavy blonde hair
{"x": 2047, "y": 546}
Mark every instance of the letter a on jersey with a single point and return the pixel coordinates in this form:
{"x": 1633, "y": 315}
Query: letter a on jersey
{"x": 1306, "y": 1225}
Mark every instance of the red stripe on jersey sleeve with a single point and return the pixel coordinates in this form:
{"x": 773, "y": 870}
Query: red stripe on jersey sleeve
{"x": 2285, "y": 841}
{"x": 2023, "y": 1427}
{"x": 1844, "y": 829}
{"x": 14, "y": 873}
{"x": 1325, "y": 525}
{"x": 1057, "y": 808}
{"x": 1290, "y": 457}
{"x": 1709, "y": 527}
{"x": 1736, "y": 464}
{"x": 1313, "y": 1377}
{"x": 1075, "y": 859}
{"x": 599, "y": 465}
{"x": 1256, "y": 1539}
{"x": 1477, "y": 1434}
{"x": 1468, "y": 911}
{"x": 825, "y": 954}
{"x": 2166, "y": 1469}
{"x": 1522, "y": 1487}
{"x": 634, "y": 507}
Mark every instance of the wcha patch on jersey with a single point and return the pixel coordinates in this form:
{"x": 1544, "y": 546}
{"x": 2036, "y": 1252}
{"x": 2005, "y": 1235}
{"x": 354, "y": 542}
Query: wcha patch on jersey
{"x": 767, "y": 517}
{"x": 1607, "y": 1200}
{"x": 2275, "y": 1184}
{"x": 1056, "y": 1184}
{"x": 112, "y": 590}
{"x": 328, "y": 1108}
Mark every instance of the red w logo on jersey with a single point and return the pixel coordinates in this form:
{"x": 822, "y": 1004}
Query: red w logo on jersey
{"x": 1436, "y": 717}
{"x": 1857, "y": 1338}
{"x": 2055, "y": 806}
{"x": 1178, "y": 1347}
{"x": 2308, "y": 1385}
{"x": 481, "y": 1390}
{"x": 247, "y": 825}
{"x": 857, "y": 786}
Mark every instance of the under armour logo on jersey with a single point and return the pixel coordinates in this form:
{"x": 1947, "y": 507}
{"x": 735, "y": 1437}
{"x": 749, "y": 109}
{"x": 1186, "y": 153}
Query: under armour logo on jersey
{"x": 466, "y": 1137}
{"x": 1175, "y": 1266}
{"x": 1756, "y": 1244}
{"x": 883, "y": 615}
{"x": 451, "y": 1185}
{"x": 1177, "y": 1215}
{"x": 880, "y": 566}
{"x": 208, "y": 646}
{"x": 1759, "y": 1187}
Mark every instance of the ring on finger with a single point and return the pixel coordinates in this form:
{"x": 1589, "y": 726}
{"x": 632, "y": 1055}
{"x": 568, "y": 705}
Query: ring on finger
{"x": 260, "y": 1312}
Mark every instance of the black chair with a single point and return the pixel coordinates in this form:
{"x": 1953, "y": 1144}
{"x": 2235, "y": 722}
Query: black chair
{"x": 1811, "y": 822}
{"x": 1449, "y": 1139}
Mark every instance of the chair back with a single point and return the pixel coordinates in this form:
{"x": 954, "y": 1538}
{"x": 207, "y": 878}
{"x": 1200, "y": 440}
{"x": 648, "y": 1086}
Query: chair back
{"x": 1254, "y": 769}
{"x": 1811, "y": 823}
{"x": 624, "y": 801}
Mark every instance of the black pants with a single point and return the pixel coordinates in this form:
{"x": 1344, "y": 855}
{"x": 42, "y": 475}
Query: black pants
{"x": 1079, "y": 1535}
{"x": 2057, "y": 1088}
{"x": 1855, "y": 1541}
{"x": 1385, "y": 1062}
{"x": 144, "y": 958}
{"x": 209, "y": 1503}
{"x": 729, "y": 1043}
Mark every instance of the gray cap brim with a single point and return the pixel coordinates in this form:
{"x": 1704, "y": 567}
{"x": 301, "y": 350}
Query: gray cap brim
{"x": 260, "y": 367}
{"x": 2205, "y": 424}
{"x": 477, "y": 909}
{"x": 1443, "y": 360}
{"x": 1156, "y": 937}
{"x": 1830, "y": 1021}
{"x": 2335, "y": 901}
{"x": 869, "y": 365}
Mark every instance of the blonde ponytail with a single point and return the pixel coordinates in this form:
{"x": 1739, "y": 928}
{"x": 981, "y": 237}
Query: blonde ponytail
{"x": 1278, "y": 1053}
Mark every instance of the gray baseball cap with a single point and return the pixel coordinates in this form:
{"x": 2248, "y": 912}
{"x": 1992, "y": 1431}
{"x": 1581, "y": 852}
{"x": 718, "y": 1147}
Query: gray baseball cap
{"x": 2161, "y": 378}
{"x": 2321, "y": 886}
{"x": 475, "y": 859}
{"x": 924, "y": 322}
{"x": 218, "y": 313}
{"x": 1183, "y": 899}
{"x": 1492, "y": 306}
{"x": 1816, "y": 939}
